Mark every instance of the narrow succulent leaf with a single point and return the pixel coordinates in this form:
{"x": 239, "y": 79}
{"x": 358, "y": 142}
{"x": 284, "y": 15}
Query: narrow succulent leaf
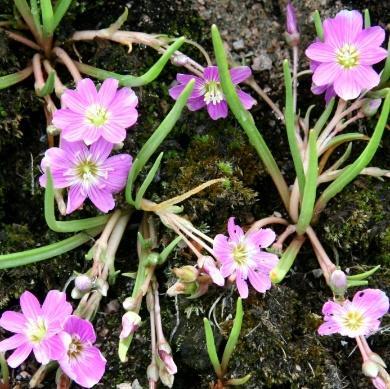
{"x": 4, "y": 371}
{"x": 307, "y": 115}
{"x": 324, "y": 116}
{"x": 27, "y": 257}
{"x": 119, "y": 22}
{"x": 361, "y": 162}
{"x": 245, "y": 118}
{"x": 14, "y": 78}
{"x": 341, "y": 160}
{"x": 349, "y": 137}
{"x": 211, "y": 349}
{"x": 47, "y": 17}
{"x": 318, "y": 25}
{"x": 233, "y": 337}
{"x": 132, "y": 81}
{"x": 157, "y": 138}
{"x": 386, "y": 70}
{"x": 287, "y": 260}
{"x": 168, "y": 250}
{"x": 238, "y": 381}
{"x": 367, "y": 18}
{"x": 354, "y": 283}
{"x": 59, "y": 11}
{"x": 148, "y": 180}
{"x": 48, "y": 88}
{"x": 36, "y": 15}
{"x": 71, "y": 225}
{"x": 24, "y": 9}
{"x": 309, "y": 193}
{"x": 363, "y": 276}
{"x": 289, "y": 116}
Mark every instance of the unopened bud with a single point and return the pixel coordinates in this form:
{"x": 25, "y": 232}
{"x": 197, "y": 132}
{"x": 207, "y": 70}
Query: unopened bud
{"x": 371, "y": 106}
{"x": 186, "y": 273}
{"x": 338, "y": 282}
{"x": 152, "y": 372}
{"x": 129, "y": 304}
{"x": 378, "y": 360}
{"x": 83, "y": 283}
{"x": 292, "y": 33}
{"x": 52, "y": 130}
{"x": 179, "y": 60}
{"x": 130, "y": 324}
{"x": 370, "y": 368}
{"x": 102, "y": 286}
{"x": 76, "y": 294}
{"x": 182, "y": 288}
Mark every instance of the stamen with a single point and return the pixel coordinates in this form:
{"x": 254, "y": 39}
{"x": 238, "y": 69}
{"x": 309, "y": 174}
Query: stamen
{"x": 240, "y": 254}
{"x": 348, "y": 56}
{"x": 213, "y": 93}
{"x": 36, "y": 330}
{"x": 353, "y": 320}
{"x": 97, "y": 115}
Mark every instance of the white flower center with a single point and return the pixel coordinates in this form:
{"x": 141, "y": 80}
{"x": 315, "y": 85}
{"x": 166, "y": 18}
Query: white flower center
{"x": 97, "y": 115}
{"x": 347, "y": 56}
{"x": 240, "y": 254}
{"x": 36, "y": 330}
{"x": 87, "y": 172}
{"x": 213, "y": 93}
{"x": 353, "y": 320}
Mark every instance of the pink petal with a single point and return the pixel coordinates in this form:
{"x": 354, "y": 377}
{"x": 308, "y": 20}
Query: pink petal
{"x": 218, "y": 110}
{"x": 227, "y": 269}
{"x": 348, "y": 24}
{"x": 91, "y": 134}
{"x": 321, "y": 52}
{"x": 82, "y": 328}
{"x": 326, "y": 73}
{"x": 211, "y": 73}
{"x": 329, "y": 327}
{"x": 235, "y": 232}
{"x": 55, "y": 307}
{"x": 176, "y": 90}
{"x": 100, "y": 150}
{"x": 242, "y": 286}
{"x": 75, "y": 132}
{"x": 333, "y": 34}
{"x": 49, "y": 349}
{"x": 318, "y": 90}
{"x": 246, "y": 99}
{"x": 266, "y": 261}
{"x": 373, "y": 302}
{"x": 372, "y": 55}
{"x": 114, "y": 133}
{"x": 184, "y": 79}
{"x": 76, "y": 197}
{"x": 196, "y": 104}
{"x": 13, "y": 321}
{"x": 118, "y": 168}
{"x": 72, "y": 100}
{"x": 211, "y": 269}
{"x": 329, "y": 94}
{"x": 125, "y": 97}
{"x": 87, "y": 90}
{"x": 240, "y": 73}
{"x": 125, "y": 118}
{"x": 30, "y": 306}
{"x": 101, "y": 198}
{"x": 12, "y": 342}
{"x": 107, "y": 91}
{"x": 263, "y": 238}
{"x": 222, "y": 249}
{"x": 19, "y": 355}
{"x": 67, "y": 119}
{"x": 371, "y": 37}
{"x": 260, "y": 281}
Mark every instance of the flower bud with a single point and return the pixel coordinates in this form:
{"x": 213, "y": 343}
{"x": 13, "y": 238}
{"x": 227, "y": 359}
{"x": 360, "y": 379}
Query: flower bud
{"x": 129, "y": 303}
{"x": 338, "y": 282}
{"x": 130, "y": 324}
{"x": 152, "y": 372}
{"x": 76, "y": 294}
{"x": 186, "y": 273}
{"x": 83, "y": 283}
{"x": 52, "y": 130}
{"x": 209, "y": 266}
{"x": 292, "y": 33}
{"x": 182, "y": 288}
{"x": 179, "y": 60}
{"x": 370, "y": 368}
{"x": 371, "y": 106}
{"x": 102, "y": 286}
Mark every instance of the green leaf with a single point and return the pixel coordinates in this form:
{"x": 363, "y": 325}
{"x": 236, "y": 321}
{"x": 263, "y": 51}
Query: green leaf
{"x": 71, "y": 225}
{"x": 211, "y": 350}
{"x": 14, "y": 78}
{"x": 324, "y": 116}
{"x": 363, "y": 276}
{"x": 246, "y": 120}
{"x": 367, "y": 18}
{"x": 340, "y": 139}
{"x": 233, "y": 337}
{"x": 167, "y": 250}
{"x": 59, "y": 11}
{"x": 148, "y": 180}
{"x": 386, "y": 70}
{"x": 318, "y": 25}
{"x": 289, "y": 116}
{"x": 157, "y": 138}
{"x": 47, "y": 17}
{"x": 28, "y": 17}
{"x": 309, "y": 193}
{"x": 353, "y": 283}
{"x": 238, "y": 381}
{"x": 126, "y": 80}
{"x": 361, "y": 162}
{"x": 52, "y": 250}
{"x": 48, "y": 88}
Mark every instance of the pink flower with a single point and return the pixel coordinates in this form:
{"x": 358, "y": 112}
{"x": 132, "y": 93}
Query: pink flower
{"x": 130, "y": 324}
{"x": 87, "y": 172}
{"x": 208, "y": 93}
{"x": 359, "y": 317}
{"x": 88, "y": 114}
{"x": 242, "y": 257}
{"x": 36, "y": 328}
{"x": 82, "y": 362}
{"x": 319, "y": 90}
{"x": 347, "y": 54}
{"x": 291, "y": 19}
{"x": 208, "y": 265}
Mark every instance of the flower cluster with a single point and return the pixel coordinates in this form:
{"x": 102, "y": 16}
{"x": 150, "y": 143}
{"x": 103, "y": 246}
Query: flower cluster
{"x": 342, "y": 63}
{"x": 51, "y": 332}
{"x": 97, "y": 119}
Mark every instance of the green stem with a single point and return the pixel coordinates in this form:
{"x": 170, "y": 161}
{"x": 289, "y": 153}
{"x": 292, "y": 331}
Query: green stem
{"x": 14, "y": 78}
{"x": 23, "y": 258}
{"x": 211, "y": 349}
{"x": 245, "y": 119}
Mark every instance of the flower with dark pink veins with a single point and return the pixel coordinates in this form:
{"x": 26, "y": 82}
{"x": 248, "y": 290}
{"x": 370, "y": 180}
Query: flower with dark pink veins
{"x": 242, "y": 257}
{"x": 347, "y": 54}
{"x": 359, "y": 317}
{"x": 88, "y": 114}
{"x": 82, "y": 361}
{"x": 87, "y": 172}
{"x": 208, "y": 93}
{"x": 36, "y": 328}
{"x": 319, "y": 90}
